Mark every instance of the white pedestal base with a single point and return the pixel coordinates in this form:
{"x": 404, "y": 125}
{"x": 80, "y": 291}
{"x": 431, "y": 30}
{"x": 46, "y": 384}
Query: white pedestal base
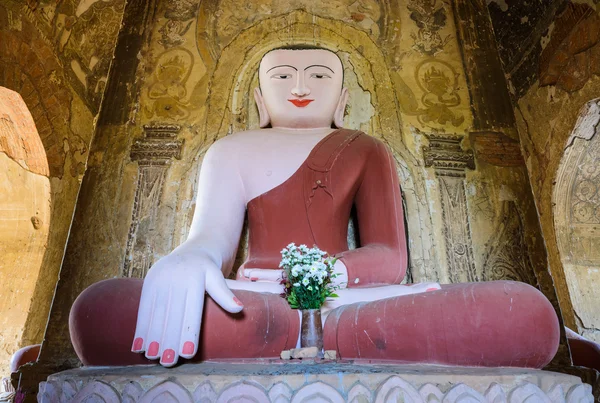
{"x": 314, "y": 382}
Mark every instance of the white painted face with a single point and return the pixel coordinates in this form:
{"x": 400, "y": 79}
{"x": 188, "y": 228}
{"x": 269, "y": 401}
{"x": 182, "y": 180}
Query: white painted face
{"x": 301, "y": 89}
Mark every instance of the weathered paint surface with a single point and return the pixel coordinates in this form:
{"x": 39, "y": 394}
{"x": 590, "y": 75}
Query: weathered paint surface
{"x": 56, "y": 56}
{"x": 553, "y": 76}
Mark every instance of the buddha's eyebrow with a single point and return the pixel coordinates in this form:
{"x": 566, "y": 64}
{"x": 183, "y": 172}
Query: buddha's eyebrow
{"x": 319, "y": 65}
{"x": 282, "y": 65}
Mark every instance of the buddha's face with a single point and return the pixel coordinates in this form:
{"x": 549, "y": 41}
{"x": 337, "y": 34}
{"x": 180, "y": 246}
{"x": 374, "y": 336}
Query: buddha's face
{"x": 301, "y": 89}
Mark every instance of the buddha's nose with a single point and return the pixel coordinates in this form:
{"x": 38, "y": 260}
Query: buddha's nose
{"x": 300, "y": 89}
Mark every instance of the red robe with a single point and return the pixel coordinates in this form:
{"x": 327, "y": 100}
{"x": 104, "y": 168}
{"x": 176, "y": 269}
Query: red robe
{"x": 345, "y": 169}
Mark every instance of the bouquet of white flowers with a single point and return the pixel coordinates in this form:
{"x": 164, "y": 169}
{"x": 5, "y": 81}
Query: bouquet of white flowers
{"x": 308, "y": 275}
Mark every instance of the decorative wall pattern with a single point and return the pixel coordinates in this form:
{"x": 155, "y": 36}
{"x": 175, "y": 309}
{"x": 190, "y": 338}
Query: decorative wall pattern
{"x": 576, "y": 199}
{"x": 585, "y": 194}
{"x": 508, "y": 257}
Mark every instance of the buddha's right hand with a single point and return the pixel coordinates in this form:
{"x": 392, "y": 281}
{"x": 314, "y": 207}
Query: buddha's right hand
{"x": 170, "y": 312}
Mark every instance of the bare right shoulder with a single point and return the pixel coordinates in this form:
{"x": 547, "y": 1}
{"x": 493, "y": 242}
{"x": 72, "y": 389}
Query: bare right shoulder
{"x": 232, "y": 145}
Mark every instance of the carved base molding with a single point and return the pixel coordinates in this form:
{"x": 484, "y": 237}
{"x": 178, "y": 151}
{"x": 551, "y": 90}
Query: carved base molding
{"x": 311, "y": 382}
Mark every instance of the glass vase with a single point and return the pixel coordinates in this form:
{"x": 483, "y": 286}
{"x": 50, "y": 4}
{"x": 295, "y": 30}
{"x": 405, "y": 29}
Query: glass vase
{"x": 311, "y": 334}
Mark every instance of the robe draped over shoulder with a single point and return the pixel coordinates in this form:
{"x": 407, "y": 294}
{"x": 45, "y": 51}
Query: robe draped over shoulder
{"x": 347, "y": 168}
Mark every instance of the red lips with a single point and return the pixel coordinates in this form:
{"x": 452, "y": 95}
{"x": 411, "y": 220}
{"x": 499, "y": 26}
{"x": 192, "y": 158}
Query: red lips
{"x": 301, "y": 103}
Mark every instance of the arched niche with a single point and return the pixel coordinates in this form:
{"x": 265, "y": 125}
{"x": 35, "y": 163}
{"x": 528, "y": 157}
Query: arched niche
{"x": 25, "y": 68}
{"x": 24, "y": 224}
{"x": 230, "y": 106}
{"x": 576, "y": 200}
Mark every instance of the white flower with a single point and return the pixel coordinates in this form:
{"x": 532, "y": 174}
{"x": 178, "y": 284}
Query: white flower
{"x": 305, "y": 281}
{"x": 309, "y": 288}
{"x": 296, "y": 284}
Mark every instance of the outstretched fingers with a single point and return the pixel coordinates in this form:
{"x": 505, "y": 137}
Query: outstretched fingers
{"x": 140, "y": 340}
{"x": 175, "y": 311}
{"x": 157, "y": 324}
{"x": 192, "y": 322}
{"x": 220, "y": 293}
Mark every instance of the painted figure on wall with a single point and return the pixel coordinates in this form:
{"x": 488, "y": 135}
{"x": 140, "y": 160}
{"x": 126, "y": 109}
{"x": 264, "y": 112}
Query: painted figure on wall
{"x": 298, "y": 178}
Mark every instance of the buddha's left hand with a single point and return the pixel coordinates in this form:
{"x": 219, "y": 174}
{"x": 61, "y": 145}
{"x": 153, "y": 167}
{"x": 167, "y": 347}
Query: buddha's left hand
{"x": 275, "y": 276}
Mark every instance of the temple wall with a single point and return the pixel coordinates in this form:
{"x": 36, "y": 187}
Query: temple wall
{"x": 25, "y": 217}
{"x": 555, "y": 78}
{"x": 56, "y": 55}
{"x": 183, "y": 76}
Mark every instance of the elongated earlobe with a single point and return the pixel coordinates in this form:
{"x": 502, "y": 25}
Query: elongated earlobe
{"x": 263, "y": 114}
{"x": 338, "y": 116}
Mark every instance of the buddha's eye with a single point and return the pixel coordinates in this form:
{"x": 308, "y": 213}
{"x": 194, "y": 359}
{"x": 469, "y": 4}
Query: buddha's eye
{"x": 281, "y": 76}
{"x": 319, "y": 76}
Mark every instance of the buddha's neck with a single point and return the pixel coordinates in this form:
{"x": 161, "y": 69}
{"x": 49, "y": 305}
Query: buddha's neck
{"x": 306, "y": 131}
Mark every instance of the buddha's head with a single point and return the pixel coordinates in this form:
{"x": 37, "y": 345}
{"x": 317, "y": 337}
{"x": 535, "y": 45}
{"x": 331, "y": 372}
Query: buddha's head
{"x": 301, "y": 88}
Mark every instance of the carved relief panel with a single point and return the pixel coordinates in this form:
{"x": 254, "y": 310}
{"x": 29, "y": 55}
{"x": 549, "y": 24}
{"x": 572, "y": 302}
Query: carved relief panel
{"x": 576, "y": 198}
{"x": 153, "y": 154}
{"x": 450, "y": 161}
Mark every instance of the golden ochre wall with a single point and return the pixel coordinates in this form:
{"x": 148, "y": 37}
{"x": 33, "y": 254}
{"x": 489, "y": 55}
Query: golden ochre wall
{"x": 56, "y": 55}
{"x": 183, "y": 76}
{"x": 557, "y": 116}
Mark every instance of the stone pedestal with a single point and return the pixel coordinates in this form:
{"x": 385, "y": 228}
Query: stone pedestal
{"x": 304, "y": 381}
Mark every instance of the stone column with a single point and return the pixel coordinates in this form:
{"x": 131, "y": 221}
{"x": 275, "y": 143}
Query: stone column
{"x": 153, "y": 153}
{"x": 450, "y": 162}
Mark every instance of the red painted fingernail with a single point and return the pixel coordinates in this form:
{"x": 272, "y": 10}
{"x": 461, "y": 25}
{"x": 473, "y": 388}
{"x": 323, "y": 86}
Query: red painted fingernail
{"x": 253, "y": 278}
{"x": 188, "y": 348}
{"x": 153, "y": 349}
{"x": 237, "y": 301}
{"x": 431, "y": 289}
{"x": 137, "y": 344}
{"x": 168, "y": 356}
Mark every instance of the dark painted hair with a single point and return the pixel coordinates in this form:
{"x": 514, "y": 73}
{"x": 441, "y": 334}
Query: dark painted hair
{"x": 302, "y": 46}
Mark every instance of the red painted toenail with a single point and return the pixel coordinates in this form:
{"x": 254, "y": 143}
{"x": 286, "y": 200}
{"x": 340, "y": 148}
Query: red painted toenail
{"x": 188, "y": 348}
{"x": 137, "y": 344}
{"x": 431, "y": 289}
{"x": 168, "y": 356}
{"x": 153, "y": 349}
{"x": 237, "y": 301}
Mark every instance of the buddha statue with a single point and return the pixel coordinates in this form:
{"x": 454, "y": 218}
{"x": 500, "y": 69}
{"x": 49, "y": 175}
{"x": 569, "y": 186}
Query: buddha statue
{"x": 297, "y": 178}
